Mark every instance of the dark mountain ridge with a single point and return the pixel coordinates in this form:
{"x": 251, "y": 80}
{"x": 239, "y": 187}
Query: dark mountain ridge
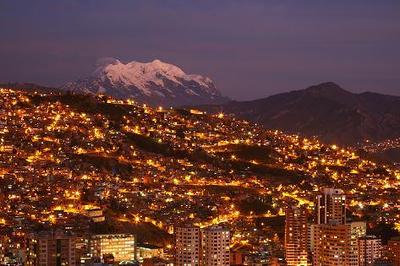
{"x": 29, "y": 87}
{"x": 326, "y": 111}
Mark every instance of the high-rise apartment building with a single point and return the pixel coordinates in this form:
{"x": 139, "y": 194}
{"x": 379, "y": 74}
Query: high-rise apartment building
{"x": 394, "y": 251}
{"x": 330, "y": 245}
{"x": 335, "y": 242}
{"x": 209, "y": 246}
{"x": 55, "y": 249}
{"x": 369, "y": 250}
{"x": 357, "y": 230}
{"x": 296, "y": 236}
{"x": 216, "y": 246}
{"x": 331, "y": 207}
{"x": 187, "y": 246}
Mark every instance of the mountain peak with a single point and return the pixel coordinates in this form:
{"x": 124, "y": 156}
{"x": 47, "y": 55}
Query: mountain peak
{"x": 104, "y": 61}
{"x": 154, "y": 82}
{"x": 328, "y": 90}
{"x": 326, "y": 87}
{"x": 330, "y": 84}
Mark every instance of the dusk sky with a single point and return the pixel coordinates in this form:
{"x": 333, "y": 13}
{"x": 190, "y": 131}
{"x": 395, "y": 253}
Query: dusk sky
{"x": 251, "y": 49}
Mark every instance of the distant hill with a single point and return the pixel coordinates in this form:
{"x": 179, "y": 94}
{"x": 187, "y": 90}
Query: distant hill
{"x": 326, "y": 111}
{"x": 30, "y": 87}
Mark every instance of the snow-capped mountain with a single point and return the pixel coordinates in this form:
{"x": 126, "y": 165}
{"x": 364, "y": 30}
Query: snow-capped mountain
{"x": 155, "y": 82}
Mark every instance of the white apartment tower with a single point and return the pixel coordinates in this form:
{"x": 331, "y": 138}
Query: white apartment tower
{"x": 187, "y": 246}
{"x": 216, "y": 245}
{"x": 209, "y": 246}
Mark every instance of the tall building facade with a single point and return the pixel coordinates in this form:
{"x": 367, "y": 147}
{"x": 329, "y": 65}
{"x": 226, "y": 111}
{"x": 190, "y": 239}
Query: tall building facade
{"x": 120, "y": 246}
{"x": 336, "y": 245}
{"x": 55, "y": 249}
{"x": 187, "y": 246}
{"x": 369, "y": 250}
{"x": 216, "y": 246}
{"x": 195, "y": 246}
{"x": 394, "y": 251}
{"x": 335, "y": 242}
{"x": 357, "y": 230}
{"x": 329, "y": 245}
{"x": 331, "y": 207}
{"x": 296, "y": 236}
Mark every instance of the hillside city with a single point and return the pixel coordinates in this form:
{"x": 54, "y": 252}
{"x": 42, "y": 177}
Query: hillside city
{"x": 93, "y": 180}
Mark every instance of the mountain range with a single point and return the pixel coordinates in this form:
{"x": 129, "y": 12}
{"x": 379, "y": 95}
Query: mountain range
{"x": 325, "y": 110}
{"x": 155, "y": 83}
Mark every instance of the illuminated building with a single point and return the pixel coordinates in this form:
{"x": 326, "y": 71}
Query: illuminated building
{"x": 331, "y": 207}
{"x": 146, "y": 251}
{"x": 296, "y": 236}
{"x": 357, "y": 230}
{"x": 337, "y": 244}
{"x": 369, "y": 250}
{"x": 330, "y": 245}
{"x": 216, "y": 244}
{"x": 187, "y": 246}
{"x": 55, "y": 249}
{"x": 333, "y": 241}
{"x": 95, "y": 214}
{"x": 394, "y": 251}
{"x": 195, "y": 246}
{"x": 121, "y": 246}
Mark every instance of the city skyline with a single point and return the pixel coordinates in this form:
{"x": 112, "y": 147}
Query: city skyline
{"x": 199, "y": 133}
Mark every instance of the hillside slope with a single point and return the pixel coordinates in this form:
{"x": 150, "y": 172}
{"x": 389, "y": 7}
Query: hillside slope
{"x": 327, "y": 111}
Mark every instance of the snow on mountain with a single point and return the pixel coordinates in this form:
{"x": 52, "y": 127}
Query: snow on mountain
{"x": 155, "y": 82}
